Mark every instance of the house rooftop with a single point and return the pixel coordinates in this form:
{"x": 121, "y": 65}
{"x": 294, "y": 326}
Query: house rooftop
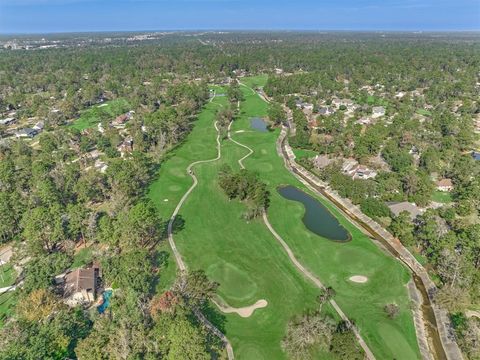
{"x": 445, "y": 183}
{"x": 81, "y": 279}
{"x": 399, "y": 207}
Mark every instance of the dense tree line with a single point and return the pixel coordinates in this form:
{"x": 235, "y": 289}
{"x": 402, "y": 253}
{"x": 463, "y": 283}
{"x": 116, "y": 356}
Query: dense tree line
{"x": 246, "y": 186}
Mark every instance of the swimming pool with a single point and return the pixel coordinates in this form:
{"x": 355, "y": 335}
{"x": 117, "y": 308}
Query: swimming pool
{"x": 106, "y": 301}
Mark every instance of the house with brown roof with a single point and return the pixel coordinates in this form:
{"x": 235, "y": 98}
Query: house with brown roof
{"x": 322, "y": 161}
{"x": 445, "y": 185}
{"x": 398, "y": 207}
{"x": 81, "y": 286}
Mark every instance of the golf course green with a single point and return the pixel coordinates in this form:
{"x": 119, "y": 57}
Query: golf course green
{"x": 247, "y": 261}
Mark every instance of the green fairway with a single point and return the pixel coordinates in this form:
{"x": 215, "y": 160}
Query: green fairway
{"x": 95, "y": 114}
{"x": 241, "y": 256}
{"x": 249, "y": 263}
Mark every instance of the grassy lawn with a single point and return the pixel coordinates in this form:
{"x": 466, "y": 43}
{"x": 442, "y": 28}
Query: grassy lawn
{"x": 82, "y": 258}
{"x": 304, "y": 153}
{"x": 7, "y": 304}
{"x": 442, "y": 197}
{"x": 7, "y": 275}
{"x": 250, "y": 265}
{"x": 95, "y": 114}
{"x": 167, "y": 268}
{"x": 7, "y": 299}
{"x": 376, "y": 101}
{"x": 424, "y": 112}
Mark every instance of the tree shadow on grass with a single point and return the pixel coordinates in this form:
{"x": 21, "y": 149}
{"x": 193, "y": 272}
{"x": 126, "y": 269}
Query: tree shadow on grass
{"x": 161, "y": 259}
{"x": 214, "y": 316}
{"x": 160, "y": 262}
{"x": 178, "y": 224}
{"x": 219, "y": 321}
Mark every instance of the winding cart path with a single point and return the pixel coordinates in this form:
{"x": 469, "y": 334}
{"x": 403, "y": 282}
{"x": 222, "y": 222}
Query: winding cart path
{"x": 297, "y": 263}
{"x": 178, "y": 258}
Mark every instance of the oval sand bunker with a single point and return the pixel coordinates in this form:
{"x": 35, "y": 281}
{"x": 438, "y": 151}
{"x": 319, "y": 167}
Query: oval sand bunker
{"x": 244, "y": 312}
{"x": 358, "y": 279}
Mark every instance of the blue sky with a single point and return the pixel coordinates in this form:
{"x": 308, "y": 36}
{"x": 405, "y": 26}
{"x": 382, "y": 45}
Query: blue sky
{"x": 27, "y": 16}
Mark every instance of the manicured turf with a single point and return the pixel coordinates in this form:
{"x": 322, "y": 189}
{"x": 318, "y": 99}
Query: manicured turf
{"x": 250, "y": 265}
{"x": 241, "y": 256}
{"x": 95, "y": 114}
{"x": 442, "y": 197}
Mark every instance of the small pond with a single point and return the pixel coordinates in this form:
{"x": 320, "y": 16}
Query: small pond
{"x": 258, "y": 124}
{"x": 318, "y": 219}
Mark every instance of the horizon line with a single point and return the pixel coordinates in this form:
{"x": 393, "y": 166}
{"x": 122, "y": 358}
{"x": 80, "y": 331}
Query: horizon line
{"x": 253, "y": 30}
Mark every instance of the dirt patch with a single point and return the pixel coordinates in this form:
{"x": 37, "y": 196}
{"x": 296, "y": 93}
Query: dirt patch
{"x": 360, "y": 279}
{"x": 244, "y": 312}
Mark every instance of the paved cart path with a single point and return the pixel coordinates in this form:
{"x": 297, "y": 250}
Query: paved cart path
{"x": 178, "y": 257}
{"x": 294, "y": 260}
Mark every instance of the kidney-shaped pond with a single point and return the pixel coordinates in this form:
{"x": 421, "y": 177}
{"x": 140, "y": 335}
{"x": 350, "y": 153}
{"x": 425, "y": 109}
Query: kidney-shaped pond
{"x": 317, "y": 218}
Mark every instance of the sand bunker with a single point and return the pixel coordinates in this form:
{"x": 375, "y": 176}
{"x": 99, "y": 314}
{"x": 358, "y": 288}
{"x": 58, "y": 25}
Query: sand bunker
{"x": 358, "y": 279}
{"x": 244, "y": 312}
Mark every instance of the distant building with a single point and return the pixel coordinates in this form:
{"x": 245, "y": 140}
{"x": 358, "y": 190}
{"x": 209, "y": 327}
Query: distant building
{"x": 445, "y": 185}
{"x": 398, "y": 207}
{"x": 26, "y": 133}
{"x": 81, "y": 286}
{"x": 362, "y": 172}
{"x": 364, "y": 121}
{"x": 300, "y": 104}
{"x": 101, "y": 166}
{"x": 7, "y": 121}
{"x": 352, "y": 168}
{"x": 39, "y": 126}
{"x": 125, "y": 147}
{"x": 322, "y": 161}
{"x": 348, "y": 165}
{"x": 378, "y": 111}
{"x": 326, "y": 110}
{"x": 120, "y": 120}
